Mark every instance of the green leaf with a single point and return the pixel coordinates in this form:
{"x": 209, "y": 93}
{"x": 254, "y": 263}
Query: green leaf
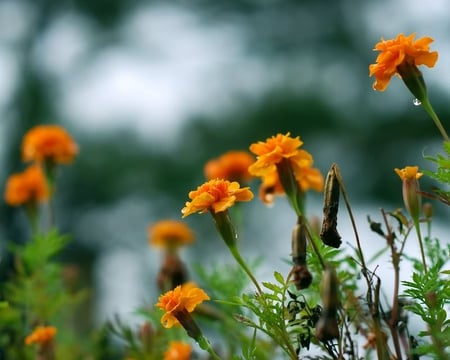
{"x": 279, "y": 277}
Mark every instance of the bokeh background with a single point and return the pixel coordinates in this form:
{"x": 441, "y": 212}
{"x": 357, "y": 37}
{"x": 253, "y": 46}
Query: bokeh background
{"x": 151, "y": 90}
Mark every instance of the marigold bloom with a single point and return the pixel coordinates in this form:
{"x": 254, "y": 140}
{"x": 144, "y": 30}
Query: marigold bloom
{"x": 400, "y": 51}
{"x": 411, "y": 198}
{"x": 270, "y": 187}
{"x": 178, "y": 351}
{"x": 176, "y": 302}
{"x": 272, "y": 153}
{"x": 170, "y": 234}
{"x": 41, "y": 335}
{"x": 49, "y": 143}
{"x": 29, "y": 186}
{"x": 216, "y": 196}
{"x": 232, "y": 166}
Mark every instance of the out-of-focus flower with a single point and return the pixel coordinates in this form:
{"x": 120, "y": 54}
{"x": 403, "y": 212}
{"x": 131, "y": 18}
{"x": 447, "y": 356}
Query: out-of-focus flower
{"x": 178, "y": 302}
{"x": 401, "y": 56}
{"x": 280, "y": 159}
{"x": 216, "y": 196}
{"x": 28, "y": 187}
{"x": 49, "y": 143}
{"x": 178, "y": 351}
{"x": 232, "y": 166}
{"x": 170, "y": 234}
{"x": 41, "y": 335}
{"x": 411, "y": 198}
{"x": 270, "y": 187}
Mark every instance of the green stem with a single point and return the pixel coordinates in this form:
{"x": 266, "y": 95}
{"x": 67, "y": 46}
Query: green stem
{"x": 226, "y": 229}
{"x": 429, "y": 109}
{"x": 205, "y": 345}
{"x": 419, "y": 238}
{"x": 32, "y": 212}
{"x": 237, "y": 256}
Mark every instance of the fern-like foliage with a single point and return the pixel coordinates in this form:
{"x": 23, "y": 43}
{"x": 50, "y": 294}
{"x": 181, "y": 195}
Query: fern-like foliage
{"x": 441, "y": 174}
{"x": 430, "y": 294}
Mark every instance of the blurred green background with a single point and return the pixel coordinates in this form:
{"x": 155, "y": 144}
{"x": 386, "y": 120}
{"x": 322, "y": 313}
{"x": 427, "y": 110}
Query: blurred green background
{"x": 151, "y": 90}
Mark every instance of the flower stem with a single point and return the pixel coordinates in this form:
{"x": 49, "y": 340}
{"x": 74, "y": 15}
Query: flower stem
{"x": 226, "y": 229}
{"x": 419, "y": 238}
{"x": 429, "y": 109}
{"x": 237, "y": 256}
{"x": 205, "y": 345}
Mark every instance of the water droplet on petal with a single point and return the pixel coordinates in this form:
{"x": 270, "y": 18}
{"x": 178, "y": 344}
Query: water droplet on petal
{"x": 417, "y": 102}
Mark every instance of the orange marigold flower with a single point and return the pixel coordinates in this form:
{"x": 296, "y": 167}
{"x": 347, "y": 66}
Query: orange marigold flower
{"x": 176, "y": 302}
{"x": 275, "y": 150}
{"x": 49, "y": 142}
{"x": 216, "y": 196}
{"x": 395, "y": 52}
{"x": 170, "y": 234}
{"x": 270, "y": 187}
{"x": 232, "y": 166}
{"x": 29, "y": 186}
{"x": 41, "y": 335}
{"x": 178, "y": 351}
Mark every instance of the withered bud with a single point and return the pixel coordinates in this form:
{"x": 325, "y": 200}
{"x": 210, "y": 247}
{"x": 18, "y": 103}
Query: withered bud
{"x": 329, "y": 233}
{"x": 327, "y": 327}
{"x": 173, "y": 272}
{"x": 302, "y": 278}
{"x": 299, "y": 242}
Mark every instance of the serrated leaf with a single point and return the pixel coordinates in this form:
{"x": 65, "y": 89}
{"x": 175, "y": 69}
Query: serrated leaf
{"x": 273, "y": 287}
{"x": 279, "y": 277}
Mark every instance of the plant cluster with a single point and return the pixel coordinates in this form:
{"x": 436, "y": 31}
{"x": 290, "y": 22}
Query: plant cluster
{"x": 330, "y": 305}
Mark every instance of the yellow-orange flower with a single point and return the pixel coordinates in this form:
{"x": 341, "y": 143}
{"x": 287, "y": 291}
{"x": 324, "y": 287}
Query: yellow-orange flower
{"x": 270, "y": 187}
{"x": 29, "y": 186}
{"x": 409, "y": 173}
{"x": 41, "y": 335}
{"x": 232, "y": 166}
{"x": 176, "y": 302}
{"x": 49, "y": 143}
{"x": 170, "y": 234}
{"x": 403, "y": 49}
{"x": 275, "y": 150}
{"x": 216, "y": 196}
{"x": 178, "y": 351}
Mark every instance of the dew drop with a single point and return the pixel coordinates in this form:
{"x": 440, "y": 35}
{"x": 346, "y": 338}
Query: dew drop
{"x": 417, "y": 102}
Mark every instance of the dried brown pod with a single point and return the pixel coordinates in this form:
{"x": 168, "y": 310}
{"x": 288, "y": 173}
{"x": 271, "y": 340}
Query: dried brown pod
{"x": 329, "y": 233}
{"x": 327, "y": 327}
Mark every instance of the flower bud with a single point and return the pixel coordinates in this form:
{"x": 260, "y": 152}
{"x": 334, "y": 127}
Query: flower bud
{"x": 427, "y": 210}
{"x": 411, "y": 196}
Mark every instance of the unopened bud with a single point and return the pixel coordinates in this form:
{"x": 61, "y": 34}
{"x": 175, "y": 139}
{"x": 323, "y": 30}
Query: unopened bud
{"x": 411, "y": 196}
{"x": 427, "y": 210}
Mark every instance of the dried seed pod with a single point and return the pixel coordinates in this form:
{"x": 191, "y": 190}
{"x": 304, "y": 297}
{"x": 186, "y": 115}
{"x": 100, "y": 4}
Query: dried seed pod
{"x": 329, "y": 233}
{"x": 302, "y": 278}
{"x": 299, "y": 242}
{"x": 327, "y": 326}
